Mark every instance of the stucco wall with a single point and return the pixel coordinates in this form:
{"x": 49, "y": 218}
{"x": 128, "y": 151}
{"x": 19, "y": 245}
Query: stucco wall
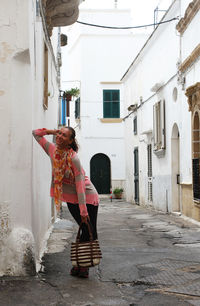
{"x": 157, "y": 63}
{"x": 25, "y": 171}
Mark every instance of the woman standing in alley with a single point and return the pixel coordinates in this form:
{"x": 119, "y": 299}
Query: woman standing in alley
{"x": 69, "y": 183}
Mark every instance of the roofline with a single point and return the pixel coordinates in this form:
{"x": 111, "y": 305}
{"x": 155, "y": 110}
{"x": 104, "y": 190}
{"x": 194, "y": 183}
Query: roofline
{"x": 137, "y": 56}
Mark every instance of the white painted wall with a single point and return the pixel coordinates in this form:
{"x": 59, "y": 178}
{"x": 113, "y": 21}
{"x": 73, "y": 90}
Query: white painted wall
{"x": 157, "y": 63}
{"x": 25, "y": 173}
{"x": 94, "y": 56}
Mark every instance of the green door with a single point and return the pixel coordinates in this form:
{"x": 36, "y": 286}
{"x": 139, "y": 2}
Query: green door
{"x": 100, "y": 173}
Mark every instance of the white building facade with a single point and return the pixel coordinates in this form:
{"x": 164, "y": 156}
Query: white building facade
{"x": 94, "y": 63}
{"x": 29, "y": 99}
{"x": 157, "y": 124}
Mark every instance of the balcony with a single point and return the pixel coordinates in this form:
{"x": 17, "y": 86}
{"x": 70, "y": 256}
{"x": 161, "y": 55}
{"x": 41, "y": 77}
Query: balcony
{"x": 59, "y": 13}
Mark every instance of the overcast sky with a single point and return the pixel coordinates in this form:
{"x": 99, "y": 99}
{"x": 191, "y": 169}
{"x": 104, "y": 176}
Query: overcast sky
{"x": 142, "y": 10}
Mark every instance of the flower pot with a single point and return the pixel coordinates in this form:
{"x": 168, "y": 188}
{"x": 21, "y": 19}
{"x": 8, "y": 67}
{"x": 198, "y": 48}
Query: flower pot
{"x": 118, "y": 195}
{"x": 68, "y": 97}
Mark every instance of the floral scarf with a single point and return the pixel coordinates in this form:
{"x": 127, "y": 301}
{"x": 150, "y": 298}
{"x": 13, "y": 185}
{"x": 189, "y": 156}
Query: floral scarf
{"x": 62, "y": 162}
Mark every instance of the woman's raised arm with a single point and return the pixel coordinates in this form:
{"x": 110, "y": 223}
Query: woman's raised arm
{"x": 39, "y": 137}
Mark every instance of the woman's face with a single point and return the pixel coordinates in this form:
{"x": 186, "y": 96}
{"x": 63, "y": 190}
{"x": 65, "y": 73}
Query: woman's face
{"x": 63, "y": 138}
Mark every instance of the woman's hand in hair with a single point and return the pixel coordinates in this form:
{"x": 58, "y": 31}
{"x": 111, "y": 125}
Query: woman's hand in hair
{"x": 52, "y": 132}
{"x": 85, "y": 219}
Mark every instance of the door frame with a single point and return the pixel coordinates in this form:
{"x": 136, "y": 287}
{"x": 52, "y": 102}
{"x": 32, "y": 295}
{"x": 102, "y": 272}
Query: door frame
{"x": 175, "y": 169}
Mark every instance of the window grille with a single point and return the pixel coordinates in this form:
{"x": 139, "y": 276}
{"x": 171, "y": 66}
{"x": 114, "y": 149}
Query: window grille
{"x": 196, "y": 157}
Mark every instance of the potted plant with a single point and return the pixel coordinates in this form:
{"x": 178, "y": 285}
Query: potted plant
{"x": 118, "y": 192}
{"x": 73, "y": 92}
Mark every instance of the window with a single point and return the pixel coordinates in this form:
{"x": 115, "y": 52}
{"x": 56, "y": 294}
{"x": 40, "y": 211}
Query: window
{"x": 193, "y": 94}
{"x": 159, "y": 125}
{"x": 111, "y": 103}
{"x": 77, "y": 108}
{"x": 45, "y": 99}
{"x": 196, "y": 156}
{"x": 135, "y": 125}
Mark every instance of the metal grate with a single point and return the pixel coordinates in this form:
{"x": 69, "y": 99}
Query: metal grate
{"x": 149, "y": 156}
{"x": 150, "y": 191}
{"x": 196, "y": 178}
{"x": 149, "y": 174}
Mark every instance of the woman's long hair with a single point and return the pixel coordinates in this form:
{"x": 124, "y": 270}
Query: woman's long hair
{"x": 74, "y": 144}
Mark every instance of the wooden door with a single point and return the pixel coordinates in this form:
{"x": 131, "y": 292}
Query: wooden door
{"x": 100, "y": 173}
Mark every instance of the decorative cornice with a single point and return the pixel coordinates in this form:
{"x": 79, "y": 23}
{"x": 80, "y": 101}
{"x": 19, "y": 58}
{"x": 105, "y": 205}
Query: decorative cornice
{"x": 190, "y": 12}
{"x": 193, "y": 94}
{"x": 190, "y": 59}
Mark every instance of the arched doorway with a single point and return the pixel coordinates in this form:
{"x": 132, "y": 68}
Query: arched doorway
{"x": 100, "y": 173}
{"x": 175, "y": 168}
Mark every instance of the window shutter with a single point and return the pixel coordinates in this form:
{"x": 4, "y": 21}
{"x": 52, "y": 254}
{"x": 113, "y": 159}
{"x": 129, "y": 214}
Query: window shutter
{"x": 135, "y": 125}
{"x": 115, "y": 110}
{"x": 77, "y": 108}
{"x": 155, "y": 126}
{"x": 162, "y": 114}
{"x": 115, "y": 104}
{"x": 149, "y": 160}
{"x": 111, "y": 103}
{"x": 63, "y": 111}
{"x": 107, "y": 107}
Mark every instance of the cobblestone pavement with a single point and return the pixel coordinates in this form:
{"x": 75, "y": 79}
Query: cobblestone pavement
{"x": 149, "y": 258}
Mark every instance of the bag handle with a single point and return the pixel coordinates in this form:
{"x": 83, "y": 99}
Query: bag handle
{"x": 79, "y": 232}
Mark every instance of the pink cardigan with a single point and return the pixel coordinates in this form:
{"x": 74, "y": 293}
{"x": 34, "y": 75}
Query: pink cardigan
{"x": 77, "y": 189}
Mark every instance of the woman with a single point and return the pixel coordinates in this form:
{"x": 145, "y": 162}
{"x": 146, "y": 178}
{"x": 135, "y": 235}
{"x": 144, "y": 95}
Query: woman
{"x": 69, "y": 182}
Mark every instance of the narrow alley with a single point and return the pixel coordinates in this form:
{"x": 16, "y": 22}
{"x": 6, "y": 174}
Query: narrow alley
{"x": 149, "y": 258}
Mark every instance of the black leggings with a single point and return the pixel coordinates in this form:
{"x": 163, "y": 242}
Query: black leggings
{"x": 92, "y": 212}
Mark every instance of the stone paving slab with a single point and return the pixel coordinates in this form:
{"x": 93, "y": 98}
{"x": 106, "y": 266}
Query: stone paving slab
{"x": 189, "y": 289}
{"x": 170, "y": 272}
{"x": 143, "y": 263}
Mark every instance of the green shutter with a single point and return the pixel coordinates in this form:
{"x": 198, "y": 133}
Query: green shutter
{"x": 107, "y": 98}
{"x": 111, "y": 104}
{"x": 77, "y": 108}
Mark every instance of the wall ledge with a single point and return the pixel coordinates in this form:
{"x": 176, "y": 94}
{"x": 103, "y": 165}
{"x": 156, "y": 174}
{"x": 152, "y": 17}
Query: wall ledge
{"x": 111, "y": 120}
